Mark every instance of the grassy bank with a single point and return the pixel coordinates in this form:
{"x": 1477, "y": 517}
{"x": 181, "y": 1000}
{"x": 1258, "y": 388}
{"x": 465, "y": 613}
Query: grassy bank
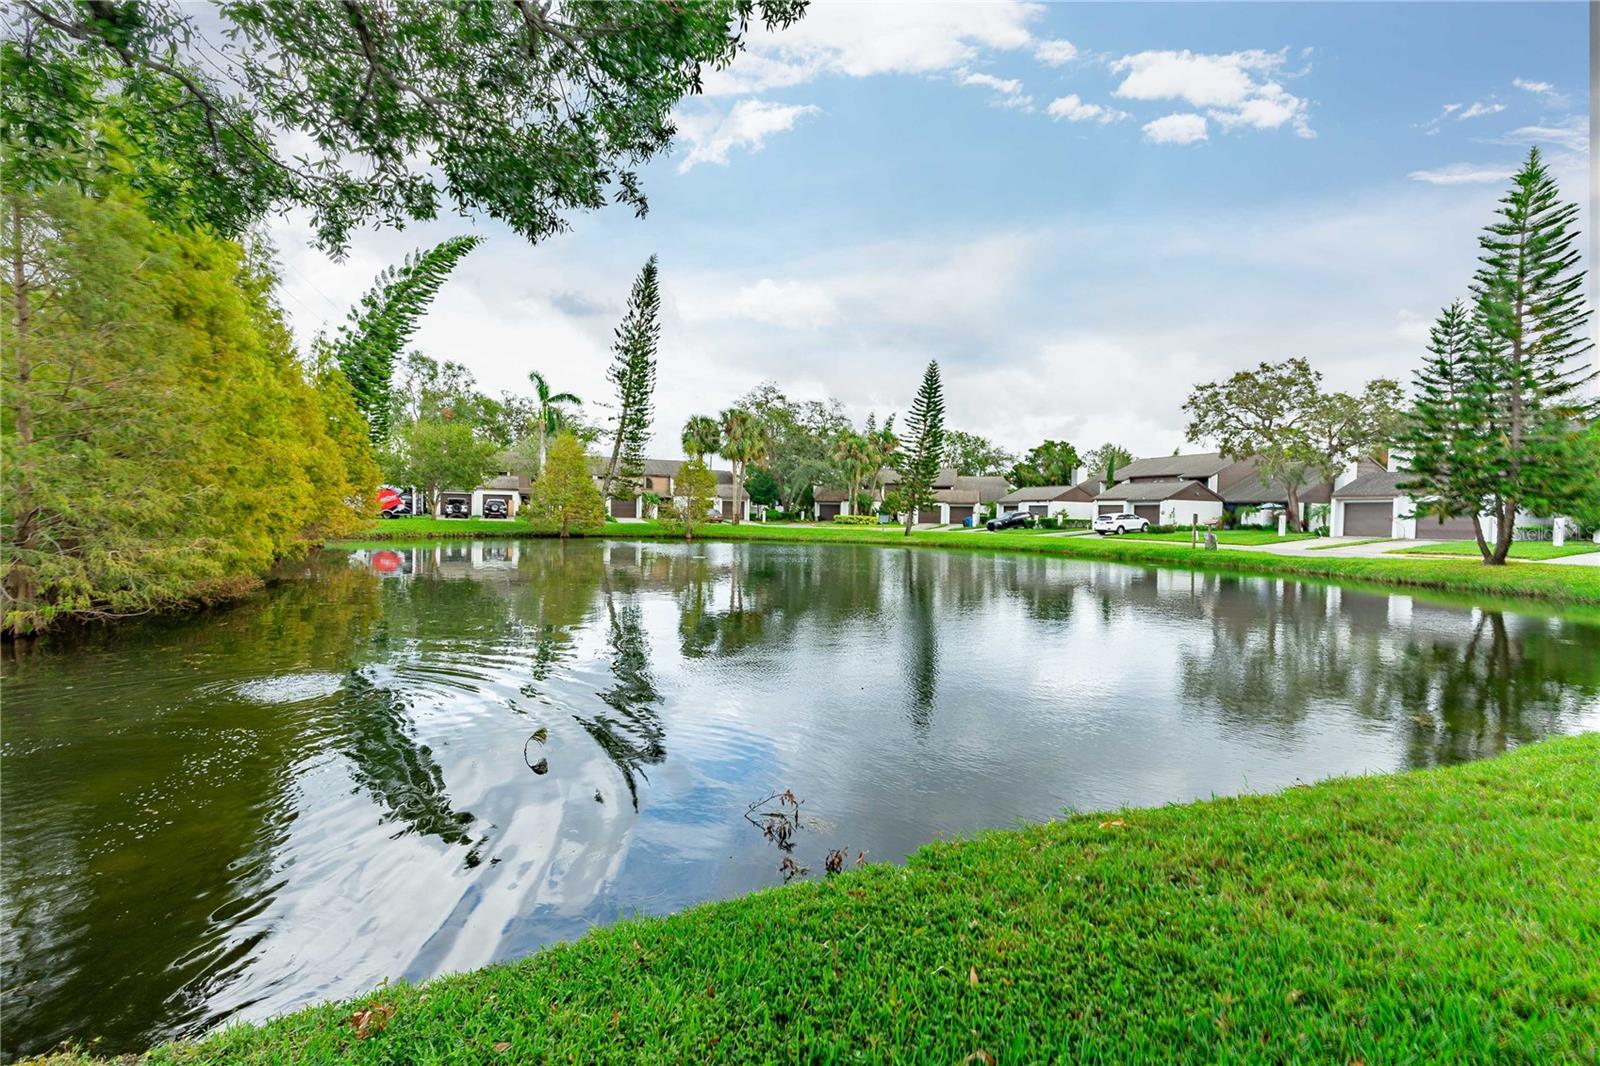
{"x": 1439, "y": 916}
{"x": 1459, "y": 576}
{"x": 1520, "y": 549}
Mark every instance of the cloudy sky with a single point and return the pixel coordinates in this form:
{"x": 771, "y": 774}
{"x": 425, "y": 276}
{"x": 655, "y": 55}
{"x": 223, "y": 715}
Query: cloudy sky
{"x": 1079, "y": 210}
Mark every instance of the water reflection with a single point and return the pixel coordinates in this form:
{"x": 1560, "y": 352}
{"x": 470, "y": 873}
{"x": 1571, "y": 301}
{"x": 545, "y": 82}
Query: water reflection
{"x": 214, "y": 816}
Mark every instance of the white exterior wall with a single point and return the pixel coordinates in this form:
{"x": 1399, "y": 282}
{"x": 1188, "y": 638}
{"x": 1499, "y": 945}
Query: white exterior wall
{"x": 513, "y": 498}
{"x": 1182, "y": 512}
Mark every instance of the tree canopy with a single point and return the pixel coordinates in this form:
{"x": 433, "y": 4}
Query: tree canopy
{"x": 922, "y": 444}
{"x": 972, "y": 454}
{"x": 1053, "y": 462}
{"x": 395, "y": 109}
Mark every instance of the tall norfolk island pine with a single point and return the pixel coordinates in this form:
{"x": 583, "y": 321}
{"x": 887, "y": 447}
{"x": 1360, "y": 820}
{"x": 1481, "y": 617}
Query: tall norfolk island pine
{"x": 1513, "y": 395}
{"x": 922, "y": 445}
{"x": 633, "y": 372}
{"x": 366, "y": 346}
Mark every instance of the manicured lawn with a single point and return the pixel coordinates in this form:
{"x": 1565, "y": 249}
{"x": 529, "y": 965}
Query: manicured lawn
{"x": 1520, "y": 549}
{"x": 1441, "y": 916}
{"x": 1347, "y": 544}
{"x": 1228, "y": 536}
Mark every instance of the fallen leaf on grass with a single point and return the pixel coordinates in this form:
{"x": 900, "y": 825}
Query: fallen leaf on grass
{"x": 972, "y": 977}
{"x": 373, "y": 1018}
{"x": 980, "y": 1056}
{"x": 502, "y": 1047}
{"x": 1114, "y": 823}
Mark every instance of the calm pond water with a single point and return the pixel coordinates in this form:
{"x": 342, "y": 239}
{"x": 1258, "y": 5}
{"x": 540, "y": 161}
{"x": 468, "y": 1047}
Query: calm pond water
{"x": 239, "y": 813}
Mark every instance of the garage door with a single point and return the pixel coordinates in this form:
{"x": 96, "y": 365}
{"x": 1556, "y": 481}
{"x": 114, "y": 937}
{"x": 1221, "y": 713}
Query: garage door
{"x": 1450, "y": 529}
{"x": 1109, "y": 508}
{"x": 827, "y": 511}
{"x": 929, "y": 516}
{"x": 959, "y": 515}
{"x": 1039, "y": 508}
{"x": 1369, "y": 520}
{"x": 1150, "y": 512}
{"x": 628, "y": 508}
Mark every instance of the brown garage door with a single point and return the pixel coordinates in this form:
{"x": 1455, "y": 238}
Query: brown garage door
{"x": 827, "y": 511}
{"x": 1039, "y": 508}
{"x": 1431, "y": 528}
{"x": 959, "y": 515}
{"x": 628, "y": 508}
{"x": 1150, "y": 512}
{"x": 1369, "y": 520}
{"x": 928, "y": 516}
{"x": 1109, "y": 508}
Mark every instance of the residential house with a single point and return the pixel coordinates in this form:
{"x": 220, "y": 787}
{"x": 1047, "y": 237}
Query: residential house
{"x": 956, "y": 497}
{"x": 1163, "y": 502}
{"x": 660, "y": 481}
{"x": 1369, "y": 502}
{"x": 1055, "y": 501}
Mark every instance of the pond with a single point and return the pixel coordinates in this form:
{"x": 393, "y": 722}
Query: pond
{"x": 400, "y": 762}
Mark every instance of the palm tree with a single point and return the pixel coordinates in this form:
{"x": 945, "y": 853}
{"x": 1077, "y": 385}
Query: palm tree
{"x": 550, "y": 415}
{"x": 744, "y": 440}
{"x": 702, "y": 436}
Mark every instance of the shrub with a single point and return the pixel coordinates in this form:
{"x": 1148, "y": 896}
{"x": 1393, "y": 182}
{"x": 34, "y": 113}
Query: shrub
{"x": 855, "y": 519}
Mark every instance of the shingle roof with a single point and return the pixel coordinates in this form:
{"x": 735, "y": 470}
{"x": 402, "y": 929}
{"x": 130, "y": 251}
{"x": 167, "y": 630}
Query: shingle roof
{"x": 956, "y": 496}
{"x": 989, "y": 489}
{"x": 1382, "y": 484}
{"x": 1199, "y": 465}
{"x": 507, "y": 483}
{"x": 1036, "y": 494}
{"x": 1146, "y": 491}
{"x": 830, "y": 495}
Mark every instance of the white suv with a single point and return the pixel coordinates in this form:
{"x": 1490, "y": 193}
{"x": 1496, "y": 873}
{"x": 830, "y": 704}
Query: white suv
{"x": 1127, "y": 522}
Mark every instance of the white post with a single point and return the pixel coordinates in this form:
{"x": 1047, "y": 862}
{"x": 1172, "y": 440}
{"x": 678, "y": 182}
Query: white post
{"x": 1558, "y": 531}
{"x": 1283, "y": 523}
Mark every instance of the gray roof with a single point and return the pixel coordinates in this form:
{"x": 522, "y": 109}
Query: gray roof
{"x": 1199, "y": 465}
{"x": 507, "y": 483}
{"x": 989, "y": 489}
{"x": 1146, "y": 491}
{"x": 1036, "y": 494}
{"x": 1381, "y": 484}
{"x": 956, "y": 496}
{"x": 827, "y": 495}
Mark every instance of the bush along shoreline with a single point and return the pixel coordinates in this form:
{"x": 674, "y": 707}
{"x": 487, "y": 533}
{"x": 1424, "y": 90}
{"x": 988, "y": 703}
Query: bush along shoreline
{"x": 1442, "y": 915}
{"x": 1559, "y": 585}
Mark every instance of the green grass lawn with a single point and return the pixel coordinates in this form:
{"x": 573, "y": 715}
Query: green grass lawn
{"x": 1520, "y": 549}
{"x": 1440, "y": 916}
{"x": 1228, "y": 536}
{"x": 1466, "y": 577}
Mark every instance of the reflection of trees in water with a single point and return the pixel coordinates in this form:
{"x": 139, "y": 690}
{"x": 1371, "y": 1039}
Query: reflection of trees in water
{"x": 553, "y": 600}
{"x": 1503, "y": 688}
{"x": 400, "y": 774}
{"x": 1275, "y": 659}
{"x": 921, "y": 651}
{"x": 632, "y": 737}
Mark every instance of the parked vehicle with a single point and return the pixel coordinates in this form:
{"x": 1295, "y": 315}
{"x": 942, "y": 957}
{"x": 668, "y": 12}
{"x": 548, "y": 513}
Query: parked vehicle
{"x": 1014, "y": 520}
{"x": 456, "y": 509}
{"x": 393, "y": 502}
{"x": 1126, "y": 522}
{"x": 494, "y": 509}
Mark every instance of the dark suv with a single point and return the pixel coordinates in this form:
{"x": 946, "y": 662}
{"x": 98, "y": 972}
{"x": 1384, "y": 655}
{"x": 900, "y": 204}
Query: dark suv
{"x": 494, "y": 508}
{"x": 1014, "y": 520}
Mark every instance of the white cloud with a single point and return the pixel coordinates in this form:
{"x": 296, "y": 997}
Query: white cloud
{"x": 747, "y": 124}
{"x": 1463, "y": 174}
{"x": 1543, "y": 88}
{"x": 1055, "y": 53}
{"x": 1479, "y": 109}
{"x": 1176, "y": 129}
{"x": 860, "y": 40}
{"x": 1008, "y": 86}
{"x": 1237, "y": 88}
{"x": 791, "y": 304}
{"x": 1571, "y": 133}
{"x": 1073, "y": 109}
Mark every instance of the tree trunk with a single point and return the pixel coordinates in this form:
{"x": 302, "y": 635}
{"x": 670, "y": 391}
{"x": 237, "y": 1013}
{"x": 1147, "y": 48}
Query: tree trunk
{"x": 738, "y": 489}
{"x": 1291, "y": 496}
{"x": 1507, "y": 516}
{"x": 1483, "y": 545}
{"x": 437, "y": 496}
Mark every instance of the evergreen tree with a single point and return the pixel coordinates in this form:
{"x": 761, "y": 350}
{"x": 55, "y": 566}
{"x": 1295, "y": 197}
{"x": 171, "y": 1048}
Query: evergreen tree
{"x": 702, "y": 436}
{"x": 633, "y": 373}
{"x": 1441, "y": 435}
{"x": 1530, "y": 364}
{"x": 367, "y": 345}
{"x": 922, "y": 445}
{"x": 564, "y": 498}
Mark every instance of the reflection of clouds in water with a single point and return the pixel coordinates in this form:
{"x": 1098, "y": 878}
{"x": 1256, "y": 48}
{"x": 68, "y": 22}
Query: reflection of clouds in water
{"x": 288, "y": 688}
